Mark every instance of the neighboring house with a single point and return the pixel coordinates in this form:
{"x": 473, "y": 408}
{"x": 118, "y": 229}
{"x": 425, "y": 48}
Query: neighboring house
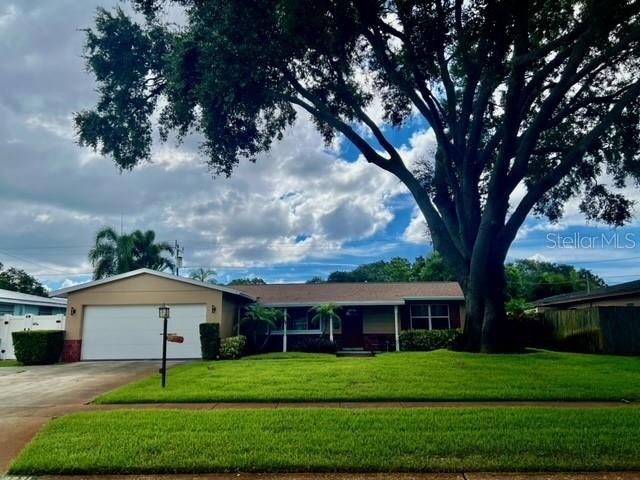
{"x": 15, "y": 303}
{"x": 372, "y": 314}
{"x": 117, "y": 317}
{"x": 622, "y": 295}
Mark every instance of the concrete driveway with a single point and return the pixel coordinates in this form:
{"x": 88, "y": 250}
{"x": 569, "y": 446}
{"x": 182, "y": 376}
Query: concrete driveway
{"x": 30, "y": 396}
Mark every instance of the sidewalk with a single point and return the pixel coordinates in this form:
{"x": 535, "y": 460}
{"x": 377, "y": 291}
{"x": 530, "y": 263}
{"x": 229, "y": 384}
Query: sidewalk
{"x": 430, "y": 404}
{"x": 357, "y": 476}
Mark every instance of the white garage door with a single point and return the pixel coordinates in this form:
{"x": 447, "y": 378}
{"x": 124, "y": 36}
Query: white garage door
{"x": 135, "y": 332}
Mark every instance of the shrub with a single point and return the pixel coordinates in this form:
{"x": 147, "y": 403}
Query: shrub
{"x": 232, "y": 348}
{"x": 586, "y": 341}
{"x": 38, "y": 347}
{"x": 427, "y": 340}
{"x": 210, "y": 340}
{"x": 320, "y": 344}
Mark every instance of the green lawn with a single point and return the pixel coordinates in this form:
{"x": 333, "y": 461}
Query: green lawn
{"x": 10, "y": 363}
{"x": 439, "y": 375}
{"x": 442, "y": 439}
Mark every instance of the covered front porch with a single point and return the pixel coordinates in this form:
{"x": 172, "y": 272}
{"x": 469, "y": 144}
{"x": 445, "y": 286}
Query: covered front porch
{"x": 368, "y": 327}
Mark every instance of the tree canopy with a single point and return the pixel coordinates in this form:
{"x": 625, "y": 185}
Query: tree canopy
{"x": 115, "y": 253}
{"x": 531, "y": 102}
{"x": 206, "y": 275}
{"x": 247, "y": 281}
{"x": 18, "y": 280}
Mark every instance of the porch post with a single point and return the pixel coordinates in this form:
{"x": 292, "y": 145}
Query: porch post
{"x": 331, "y": 328}
{"x": 238, "y": 320}
{"x": 284, "y": 330}
{"x": 395, "y": 324}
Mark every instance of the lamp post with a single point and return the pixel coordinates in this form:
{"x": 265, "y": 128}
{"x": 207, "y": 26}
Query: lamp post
{"x": 164, "y": 313}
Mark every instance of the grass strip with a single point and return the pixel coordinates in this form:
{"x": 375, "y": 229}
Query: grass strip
{"x": 10, "y": 363}
{"x": 314, "y": 440}
{"x": 439, "y": 375}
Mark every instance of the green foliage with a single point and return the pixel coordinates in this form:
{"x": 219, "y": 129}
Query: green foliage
{"x": 320, "y": 344}
{"x": 398, "y": 269}
{"x": 427, "y": 340}
{"x": 247, "y": 281}
{"x": 114, "y": 254}
{"x": 232, "y": 348}
{"x": 210, "y": 340}
{"x": 517, "y": 306}
{"x": 532, "y": 279}
{"x": 316, "y": 279}
{"x": 38, "y": 347}
{"x": 431, "y": 269}
{"x": 205, "y": 275}
{"x": 326, "y": 313}
{"x": 18, "y": 280}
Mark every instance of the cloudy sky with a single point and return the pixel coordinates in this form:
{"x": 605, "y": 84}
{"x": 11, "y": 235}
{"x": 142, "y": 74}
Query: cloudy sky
{"x": 302, "y": 210}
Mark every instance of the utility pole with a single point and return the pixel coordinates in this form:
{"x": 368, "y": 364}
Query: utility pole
{"x": 178, "y": 252}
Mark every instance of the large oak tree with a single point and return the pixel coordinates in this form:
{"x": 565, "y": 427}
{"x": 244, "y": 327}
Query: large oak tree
{"x": 533, "y": 96}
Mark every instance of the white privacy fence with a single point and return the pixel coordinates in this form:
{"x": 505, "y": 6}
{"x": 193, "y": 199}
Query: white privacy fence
{"x": 16, "y": 323}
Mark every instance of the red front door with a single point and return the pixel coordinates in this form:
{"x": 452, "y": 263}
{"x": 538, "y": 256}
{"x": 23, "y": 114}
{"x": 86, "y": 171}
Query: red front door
{"x": 352, "y": 336}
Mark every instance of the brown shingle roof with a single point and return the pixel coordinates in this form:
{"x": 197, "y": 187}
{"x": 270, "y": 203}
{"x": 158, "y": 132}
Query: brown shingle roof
{"x": 351, "y": 293}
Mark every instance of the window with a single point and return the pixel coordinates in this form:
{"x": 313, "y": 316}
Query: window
{"x": 6, "y": 309}
{"x": 430, "y": 316}
{"x": 45, "y": 310}
{"x": 300, "y": 320}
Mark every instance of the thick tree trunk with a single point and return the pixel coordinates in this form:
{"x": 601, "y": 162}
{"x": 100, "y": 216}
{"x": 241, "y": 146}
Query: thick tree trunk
{"x": 485, "y": 328}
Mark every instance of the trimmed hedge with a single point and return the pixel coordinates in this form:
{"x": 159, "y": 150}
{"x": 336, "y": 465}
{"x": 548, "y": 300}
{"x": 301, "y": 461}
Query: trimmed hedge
{"x": 320, "y": 344}
{"x": 427, "y": 340}
{"x": 210, "y": 341}
{"x": 38, "y": 347}
{"x": 232, "y": 348}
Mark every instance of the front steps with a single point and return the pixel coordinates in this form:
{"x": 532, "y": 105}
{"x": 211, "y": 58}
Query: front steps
{"x": 354, "y": 352}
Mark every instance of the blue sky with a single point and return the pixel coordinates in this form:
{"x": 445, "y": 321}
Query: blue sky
{"x": 302, "y": 210}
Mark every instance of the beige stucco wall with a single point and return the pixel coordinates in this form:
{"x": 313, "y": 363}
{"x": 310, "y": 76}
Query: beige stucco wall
{"x": 148, "y": 289}
{"x": 379, "y": 319}
{"x": 228, "y": 317}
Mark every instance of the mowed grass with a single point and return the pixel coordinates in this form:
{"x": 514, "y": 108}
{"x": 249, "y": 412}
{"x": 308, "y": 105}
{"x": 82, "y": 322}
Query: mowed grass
{"x": 439, "y": 375}
{"x": 322, "y": 440}
{"x": 10, "y": 363}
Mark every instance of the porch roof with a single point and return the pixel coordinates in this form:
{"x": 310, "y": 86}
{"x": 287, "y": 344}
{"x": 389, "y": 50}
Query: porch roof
{"x": 310, "y": 294}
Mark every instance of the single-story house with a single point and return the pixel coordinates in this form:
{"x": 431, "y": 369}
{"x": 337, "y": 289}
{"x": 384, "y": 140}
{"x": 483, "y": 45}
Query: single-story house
{"x": 372, "y": 314}
{"x": 15, "y": 303}
{"x": 117, "y": 317}
{"x": 621, "y": 295}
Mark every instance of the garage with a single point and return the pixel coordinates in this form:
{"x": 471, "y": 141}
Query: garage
{"x": 128, "y": 332}
{"x": 116, "y": 318}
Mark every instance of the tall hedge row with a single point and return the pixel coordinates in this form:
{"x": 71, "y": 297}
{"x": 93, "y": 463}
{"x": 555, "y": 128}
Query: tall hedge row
{"x": 38, "y": 347}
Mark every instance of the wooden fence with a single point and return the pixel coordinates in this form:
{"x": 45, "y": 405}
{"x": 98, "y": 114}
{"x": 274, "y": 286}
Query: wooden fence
{"x": 612, "y": 330}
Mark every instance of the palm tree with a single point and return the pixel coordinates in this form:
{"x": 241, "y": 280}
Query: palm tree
{"x": 204, "y": 275}
{"x": 324, "y": 312}
{"x": 268, "y": 317}
{"x": 113, "y": 254}
{"x": 148, "y": 253}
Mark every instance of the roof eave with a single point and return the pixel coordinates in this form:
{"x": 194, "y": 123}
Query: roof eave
{"x": 65, "y": 291}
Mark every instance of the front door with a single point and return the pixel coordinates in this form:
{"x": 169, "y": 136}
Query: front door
{"x": 352, "y": 336}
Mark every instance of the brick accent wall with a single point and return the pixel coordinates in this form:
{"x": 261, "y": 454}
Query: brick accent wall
{"x": 71, "y": 351}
